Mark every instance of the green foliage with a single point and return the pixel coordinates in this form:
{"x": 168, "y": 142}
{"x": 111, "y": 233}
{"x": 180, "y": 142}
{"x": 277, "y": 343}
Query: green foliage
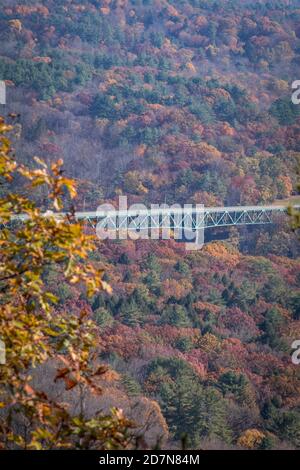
{"x": 103, "y": 107}
{"x": 294, "y": 303}
{"x": 124, "y": 259}
{"x": 286, "y": 424}
{"x": 275, "y": 289}
{"x": 190, "y": 409}
{"x": 64, "y": 293}
{"x": 45, "y": 79}
{"x": 242, "y": 296}
{"x": 103, "y": 317}
{"x": 175, "y": 315}
{"x": 267, "y": 443}
{"x": 272, "y": 326}
{"x": 232, "y": 383}
{"x": 171, "y": 366}
{"x": 131, "y": 313}
{"x": 132, "y": 387}
{"x": 203, "y": 112}
{"x": 285, "y": 111}
{"x": 91, "y": 28}
{"x": 225, "y": 110}
{"x": 239, "y": 387}
{"x": 182, "y": 267}
{"x": 184, "y": 344}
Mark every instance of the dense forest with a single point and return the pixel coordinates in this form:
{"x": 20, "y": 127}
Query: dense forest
{"x": 178, "y": 101}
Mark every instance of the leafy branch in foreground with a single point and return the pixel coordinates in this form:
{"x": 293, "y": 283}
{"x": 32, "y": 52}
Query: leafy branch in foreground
{"x": 31, "y": 328}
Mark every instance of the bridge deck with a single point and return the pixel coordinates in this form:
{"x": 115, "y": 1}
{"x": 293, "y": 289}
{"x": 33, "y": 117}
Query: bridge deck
{"x": 177, "y": 210}
{"x": 158, "y": 216}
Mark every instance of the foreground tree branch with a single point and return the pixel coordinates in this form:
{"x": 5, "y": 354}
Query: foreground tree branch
{"x": 32, "y": 330}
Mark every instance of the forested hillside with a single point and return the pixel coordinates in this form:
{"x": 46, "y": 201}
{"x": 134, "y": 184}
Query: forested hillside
{"x": 184, "y": 101}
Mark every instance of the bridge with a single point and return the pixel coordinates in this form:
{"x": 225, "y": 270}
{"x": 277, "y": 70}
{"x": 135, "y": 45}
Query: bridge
{"x": 183, "y": 223}
{"x": 177, "y": 217}
{"x": 161, "y": 219}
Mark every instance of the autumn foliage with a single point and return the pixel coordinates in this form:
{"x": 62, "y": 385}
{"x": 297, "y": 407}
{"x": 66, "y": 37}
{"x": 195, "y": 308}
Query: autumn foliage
{"x": 32, "y": 330}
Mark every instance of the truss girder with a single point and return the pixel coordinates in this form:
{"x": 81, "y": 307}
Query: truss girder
{"x": 190, "y": 220}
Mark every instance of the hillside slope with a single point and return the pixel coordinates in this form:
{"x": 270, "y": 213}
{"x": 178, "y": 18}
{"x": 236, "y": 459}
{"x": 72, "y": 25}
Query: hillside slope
{"x": 182, "y": 101}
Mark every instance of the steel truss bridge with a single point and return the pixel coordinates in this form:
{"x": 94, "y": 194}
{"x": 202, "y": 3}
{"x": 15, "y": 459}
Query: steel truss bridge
{"x": 185, "y": 224}
{"x": 190, "y": 217}
{"x": 176, "y": 219}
